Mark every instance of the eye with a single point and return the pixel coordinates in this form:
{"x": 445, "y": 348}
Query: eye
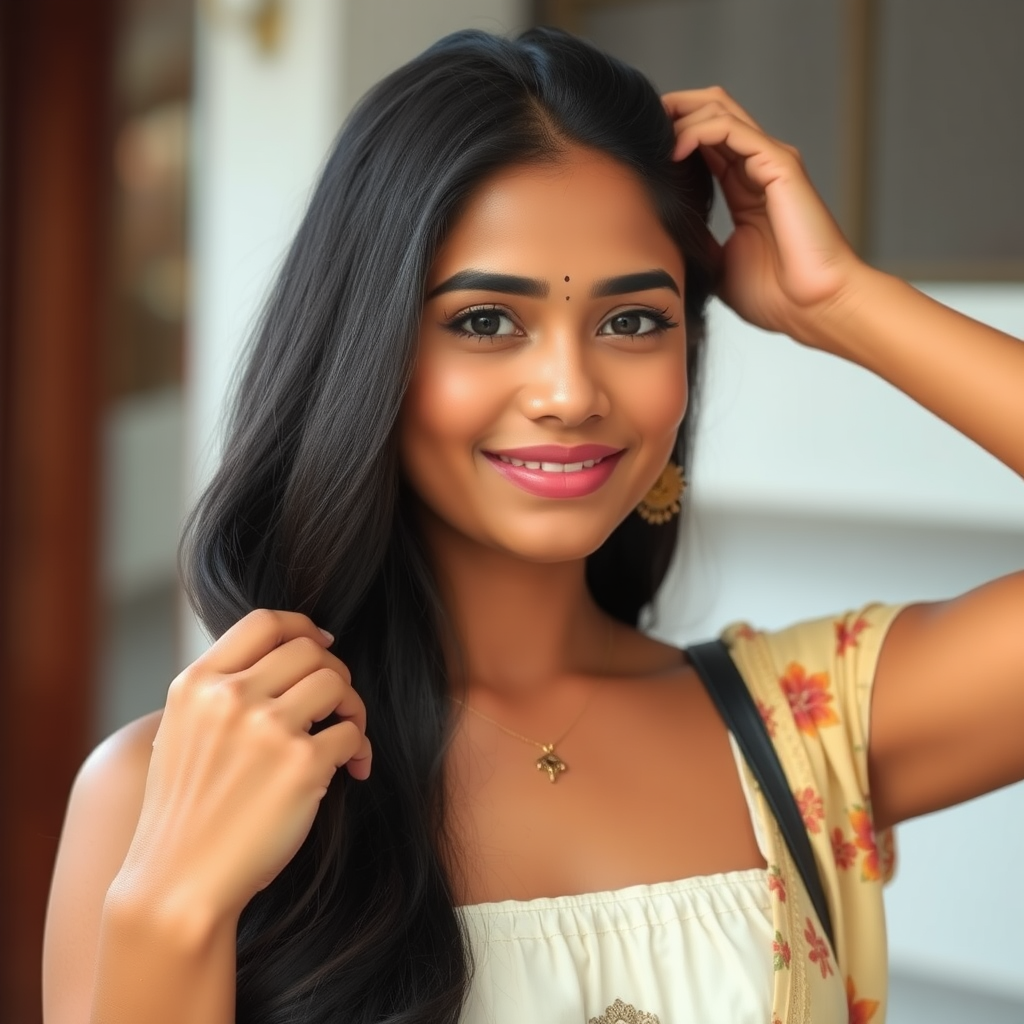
{"x": 633, "y": 322}
{"x": 482, "y": 322}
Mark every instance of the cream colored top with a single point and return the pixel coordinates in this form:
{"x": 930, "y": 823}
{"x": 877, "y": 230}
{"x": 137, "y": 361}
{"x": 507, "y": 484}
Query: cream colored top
{"x": 695, "y": 950}
{"x": 742, "y": 947}
{"x": 689, "y": 951}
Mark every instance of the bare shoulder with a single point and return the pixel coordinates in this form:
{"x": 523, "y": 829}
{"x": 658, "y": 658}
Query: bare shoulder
{"x": 102, "y": 815}
{"x": 120, "y": 756}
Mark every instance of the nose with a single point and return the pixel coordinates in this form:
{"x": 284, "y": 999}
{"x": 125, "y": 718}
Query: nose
{"x": 563, "y": 382}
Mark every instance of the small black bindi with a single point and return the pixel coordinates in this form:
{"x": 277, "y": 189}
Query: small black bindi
{"x": 567, "y": 277}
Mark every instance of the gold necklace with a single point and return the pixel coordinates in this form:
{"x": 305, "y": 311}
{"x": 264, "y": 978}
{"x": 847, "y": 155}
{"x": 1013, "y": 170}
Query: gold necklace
{"x": 549, "y": 761}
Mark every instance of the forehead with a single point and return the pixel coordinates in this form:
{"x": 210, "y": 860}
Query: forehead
{"x": 584, "y": 214}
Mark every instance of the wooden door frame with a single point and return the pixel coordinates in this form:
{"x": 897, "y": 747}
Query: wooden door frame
{"x": 55, "y": 68}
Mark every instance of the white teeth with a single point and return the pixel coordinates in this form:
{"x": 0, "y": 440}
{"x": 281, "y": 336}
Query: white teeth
{"x": 552, "y": 467}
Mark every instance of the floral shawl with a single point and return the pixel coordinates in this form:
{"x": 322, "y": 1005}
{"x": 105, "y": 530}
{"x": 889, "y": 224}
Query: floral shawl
{"x": 812, "y": 684}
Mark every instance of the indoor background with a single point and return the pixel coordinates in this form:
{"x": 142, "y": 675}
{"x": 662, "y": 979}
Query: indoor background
{"x": 156, "y": 157}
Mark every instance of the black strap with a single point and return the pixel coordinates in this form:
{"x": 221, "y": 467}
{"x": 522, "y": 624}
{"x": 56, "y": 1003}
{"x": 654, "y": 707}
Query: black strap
{"x": 726, "y": 688}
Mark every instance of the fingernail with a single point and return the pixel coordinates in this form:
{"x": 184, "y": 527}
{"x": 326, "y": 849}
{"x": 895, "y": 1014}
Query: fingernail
{"x": 329, "y": 636}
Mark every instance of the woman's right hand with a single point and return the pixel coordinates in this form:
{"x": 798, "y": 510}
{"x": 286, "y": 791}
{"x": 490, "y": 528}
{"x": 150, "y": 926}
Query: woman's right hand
{"x": 235, "y": 778}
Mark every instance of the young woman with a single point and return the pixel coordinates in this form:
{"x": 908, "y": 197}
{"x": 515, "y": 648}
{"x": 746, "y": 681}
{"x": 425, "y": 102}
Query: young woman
{"x": 448, "y": 491}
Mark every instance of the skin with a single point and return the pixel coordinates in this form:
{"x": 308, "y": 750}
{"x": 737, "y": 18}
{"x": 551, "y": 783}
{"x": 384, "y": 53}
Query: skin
{"x": 176, "y": 821}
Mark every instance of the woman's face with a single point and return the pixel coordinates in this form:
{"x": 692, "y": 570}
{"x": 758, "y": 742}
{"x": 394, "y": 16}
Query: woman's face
{"x": 552, "y": 336}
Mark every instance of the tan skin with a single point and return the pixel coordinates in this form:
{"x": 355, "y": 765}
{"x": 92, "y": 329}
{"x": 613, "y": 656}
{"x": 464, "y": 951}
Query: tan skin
{"x": 176, "y": 821}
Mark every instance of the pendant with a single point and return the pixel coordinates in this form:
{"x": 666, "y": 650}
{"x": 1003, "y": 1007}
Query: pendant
{"x": 551, "y": 763}
{"x": 622, "y": 1013}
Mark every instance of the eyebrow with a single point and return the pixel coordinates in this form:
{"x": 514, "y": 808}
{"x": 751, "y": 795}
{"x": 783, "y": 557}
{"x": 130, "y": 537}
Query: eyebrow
{"x": 513, "y": 284}
{"x": 485, "y": 281}
{"x": 641, "y": 282}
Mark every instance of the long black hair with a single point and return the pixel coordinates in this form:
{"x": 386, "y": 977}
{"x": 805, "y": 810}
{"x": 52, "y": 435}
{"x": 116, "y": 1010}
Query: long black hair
{"x": 308, "y": 510}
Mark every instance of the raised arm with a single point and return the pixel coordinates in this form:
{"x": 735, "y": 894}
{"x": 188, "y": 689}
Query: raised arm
{"x": 178, "y": 820}
{"x": 948, "y": 708}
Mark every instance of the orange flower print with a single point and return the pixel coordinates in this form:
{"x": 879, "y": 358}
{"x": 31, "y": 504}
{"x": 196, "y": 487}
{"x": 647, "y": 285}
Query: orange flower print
{"x": 745, "y": 632}
{"x": 844, "y": 852}
{"x": 819, "y": 950}
{"x": 809, "y": 698}
{"x": 848, "y": 635}
{"x": 776, "y": 883}
{"x": 812, "y": 809}
{"x": 781, "y": 953}
{"x": 864, "y": 839}
{"x": 768, "y": 717}
{"x": 860, "y": 1010}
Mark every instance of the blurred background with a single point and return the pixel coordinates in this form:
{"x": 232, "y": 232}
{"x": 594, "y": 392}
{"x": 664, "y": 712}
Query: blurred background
{"x": 156, "y": 155}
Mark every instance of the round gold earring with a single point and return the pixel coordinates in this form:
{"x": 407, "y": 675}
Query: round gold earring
{"x": 661, "y": 502}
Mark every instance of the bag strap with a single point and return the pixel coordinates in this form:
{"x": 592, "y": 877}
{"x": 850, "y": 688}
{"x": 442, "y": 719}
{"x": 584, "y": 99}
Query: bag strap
{"x": 729, "y": 692}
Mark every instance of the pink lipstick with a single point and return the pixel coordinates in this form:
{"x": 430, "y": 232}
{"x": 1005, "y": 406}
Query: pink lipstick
{"x": 557, "y": 471}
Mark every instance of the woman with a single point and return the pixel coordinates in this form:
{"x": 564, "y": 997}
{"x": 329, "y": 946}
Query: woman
{"x": 451, "y": 461}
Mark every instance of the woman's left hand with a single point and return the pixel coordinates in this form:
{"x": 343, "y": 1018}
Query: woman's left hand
{"x": 786, "y": 262}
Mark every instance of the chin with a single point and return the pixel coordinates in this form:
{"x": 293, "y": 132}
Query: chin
{"x": 567, "y": 540}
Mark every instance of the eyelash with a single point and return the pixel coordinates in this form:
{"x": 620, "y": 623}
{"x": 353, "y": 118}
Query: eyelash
{"x": 662, "y": 321}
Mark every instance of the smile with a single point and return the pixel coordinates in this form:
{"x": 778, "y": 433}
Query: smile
{"x": 547, "y": 478}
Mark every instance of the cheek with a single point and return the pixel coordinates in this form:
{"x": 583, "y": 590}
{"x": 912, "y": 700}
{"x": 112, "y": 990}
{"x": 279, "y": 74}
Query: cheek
{"x": 655, "y": 399}
{"x": 443, "y": 404}
{"x": 445, "y": 410}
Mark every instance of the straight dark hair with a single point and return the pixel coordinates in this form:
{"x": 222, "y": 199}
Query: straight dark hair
{"x": 308, "y": 510}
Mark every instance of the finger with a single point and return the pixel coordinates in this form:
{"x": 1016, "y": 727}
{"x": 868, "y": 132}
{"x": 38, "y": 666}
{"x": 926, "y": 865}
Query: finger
{"x": 284, "y": 666}
{"x": 343, "y": 744}
{"x": 256, "y": 635}
{"x": 359, "y": 764}
{"x": 763, "y": 159}
{"x": 687, "y": 101}
{"x": 683, "y": 128}
{"x": 318, "y": 695}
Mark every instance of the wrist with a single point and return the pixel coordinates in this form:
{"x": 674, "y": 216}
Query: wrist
{"x": 175, "y": 915}
{"x": 842, "y": 324}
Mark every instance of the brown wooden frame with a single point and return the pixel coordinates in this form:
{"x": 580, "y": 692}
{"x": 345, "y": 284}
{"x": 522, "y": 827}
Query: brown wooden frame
{"x": 55, "y": 64}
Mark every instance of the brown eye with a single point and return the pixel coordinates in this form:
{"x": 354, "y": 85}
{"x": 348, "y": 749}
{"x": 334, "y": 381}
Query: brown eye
{"x": 484, "y": 323}
{"x": 488, "y": 322}
{"x": 626, "y": 323}
{"x": 634, "y": 322}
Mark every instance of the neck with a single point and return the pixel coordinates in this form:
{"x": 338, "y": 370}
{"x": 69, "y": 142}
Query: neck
{"x": 518, "y": 627}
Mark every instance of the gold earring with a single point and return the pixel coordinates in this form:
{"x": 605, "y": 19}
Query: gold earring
{"x": 661, "y": 502}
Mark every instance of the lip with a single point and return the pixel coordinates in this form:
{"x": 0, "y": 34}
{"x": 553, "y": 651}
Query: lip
{"x": 544, "y": 484}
